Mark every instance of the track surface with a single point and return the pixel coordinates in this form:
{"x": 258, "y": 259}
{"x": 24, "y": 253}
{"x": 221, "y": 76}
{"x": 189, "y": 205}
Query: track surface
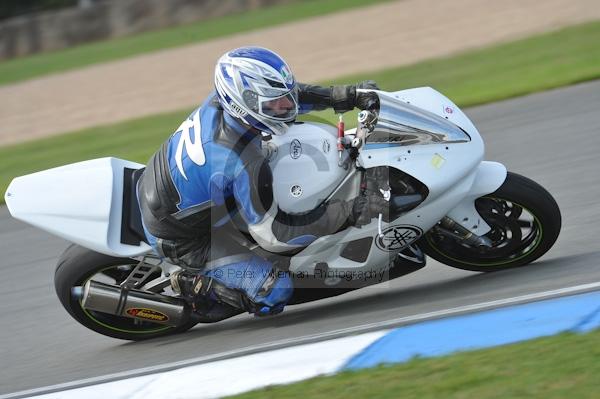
{"x": 552, "y": 137}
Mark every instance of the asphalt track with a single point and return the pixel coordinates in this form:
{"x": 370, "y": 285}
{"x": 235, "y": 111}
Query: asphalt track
{"x": 551, "y": 137}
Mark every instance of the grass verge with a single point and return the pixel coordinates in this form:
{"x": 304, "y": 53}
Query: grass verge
{"x": 551, "y": 60}
{"x": 134, "y": 140}
{"x": 542, "y": 62}
{"x": 558, "y": 367}
{"x": 19, "y": 69}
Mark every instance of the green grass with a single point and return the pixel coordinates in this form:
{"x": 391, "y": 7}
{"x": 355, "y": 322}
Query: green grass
{"x": 526, "y": 66}
{"x": 551, "y": 60}
{"x": 565, "y": 57}
{"x": 41, "y": 64}
{"x": 558, "y": 367}
{"x": 134, "y": 140}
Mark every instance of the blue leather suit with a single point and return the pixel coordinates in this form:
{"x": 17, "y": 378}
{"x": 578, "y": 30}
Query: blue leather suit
{"x": 210, "y": 183}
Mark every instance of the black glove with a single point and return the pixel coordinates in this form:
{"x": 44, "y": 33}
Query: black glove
{"x": 360, "y": 212}
{"x": 367, "y": 101}
{"x": 367, "y": 84}
{"x": 344, "y": 98}
{"x": 366, "y": 208}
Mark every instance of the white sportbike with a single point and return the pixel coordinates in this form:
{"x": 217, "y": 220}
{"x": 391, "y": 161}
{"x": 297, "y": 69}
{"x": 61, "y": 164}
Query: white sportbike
{"x": 417, "y": 150}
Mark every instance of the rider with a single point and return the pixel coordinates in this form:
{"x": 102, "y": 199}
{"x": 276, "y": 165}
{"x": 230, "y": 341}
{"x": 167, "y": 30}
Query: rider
{"x": 212, "y": 171}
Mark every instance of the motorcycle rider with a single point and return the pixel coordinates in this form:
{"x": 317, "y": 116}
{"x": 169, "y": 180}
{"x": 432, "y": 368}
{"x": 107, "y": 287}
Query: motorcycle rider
{"x": 211, "y": 174}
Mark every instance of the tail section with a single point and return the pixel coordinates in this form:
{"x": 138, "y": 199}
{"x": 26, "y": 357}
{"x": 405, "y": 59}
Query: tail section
{"x": 80, "y": 202}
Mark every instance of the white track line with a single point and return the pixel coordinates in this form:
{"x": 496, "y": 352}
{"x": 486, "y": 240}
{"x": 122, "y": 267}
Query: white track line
{"x": 308, "y": 339}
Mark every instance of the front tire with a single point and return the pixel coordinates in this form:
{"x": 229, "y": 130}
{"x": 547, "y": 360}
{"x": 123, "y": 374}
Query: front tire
{"x": 75, "y": 267}
{"x": 525, "y": 221}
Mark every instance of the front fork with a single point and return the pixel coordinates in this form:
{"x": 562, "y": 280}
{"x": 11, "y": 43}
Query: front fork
{"x": 449, "y": 228}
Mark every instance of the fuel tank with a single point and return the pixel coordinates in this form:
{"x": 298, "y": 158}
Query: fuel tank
{"x": 305, "y": 168}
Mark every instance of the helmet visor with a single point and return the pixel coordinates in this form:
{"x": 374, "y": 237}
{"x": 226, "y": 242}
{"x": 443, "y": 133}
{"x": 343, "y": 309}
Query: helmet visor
{"x": 283, "y": 108}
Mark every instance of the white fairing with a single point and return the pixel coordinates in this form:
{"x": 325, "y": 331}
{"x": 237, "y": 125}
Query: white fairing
{"x": 80, "y": 202}
{"x": 453, "y": 172}
{"x": 488, "y": 178}
{"x": 305, "y": 168}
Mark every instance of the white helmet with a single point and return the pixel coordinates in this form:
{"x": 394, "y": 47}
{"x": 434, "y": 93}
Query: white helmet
{"x": 256, "y": 85}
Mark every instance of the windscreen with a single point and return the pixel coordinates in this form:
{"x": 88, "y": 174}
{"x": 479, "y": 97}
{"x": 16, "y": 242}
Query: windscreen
{"x": 406, "y": 124}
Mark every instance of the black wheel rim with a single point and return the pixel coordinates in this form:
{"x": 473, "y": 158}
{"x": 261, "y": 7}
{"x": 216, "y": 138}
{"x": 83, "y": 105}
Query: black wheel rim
{"x": 515, "y": 233}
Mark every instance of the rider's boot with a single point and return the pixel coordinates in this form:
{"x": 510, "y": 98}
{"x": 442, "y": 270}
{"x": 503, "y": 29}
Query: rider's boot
{"x": 189, "y": 286}
{"x": 205, "y": 291}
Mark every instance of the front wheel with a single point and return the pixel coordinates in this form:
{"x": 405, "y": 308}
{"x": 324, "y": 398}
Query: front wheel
{"x": 525, "y": 222}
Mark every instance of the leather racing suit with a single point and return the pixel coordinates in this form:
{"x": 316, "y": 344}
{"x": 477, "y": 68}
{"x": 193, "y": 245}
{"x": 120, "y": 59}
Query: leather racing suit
{"x": 211, "y": 174}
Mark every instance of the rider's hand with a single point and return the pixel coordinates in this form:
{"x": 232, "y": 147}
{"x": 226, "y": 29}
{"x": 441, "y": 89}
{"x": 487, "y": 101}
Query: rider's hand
{"x": 345, "y": 97}
{"x": 365, "y": 208}
{"x": 367, "y": 101}
{"x": 367, "y": 84}
{"x": 378, "y": 205}
{"x": 360, "y": 211}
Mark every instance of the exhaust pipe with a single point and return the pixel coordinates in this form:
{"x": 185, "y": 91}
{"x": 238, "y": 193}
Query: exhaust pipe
{"x": 135, "y": 304}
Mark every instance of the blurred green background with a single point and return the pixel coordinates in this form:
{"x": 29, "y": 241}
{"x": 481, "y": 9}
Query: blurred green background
{"x": 19, "y": 69}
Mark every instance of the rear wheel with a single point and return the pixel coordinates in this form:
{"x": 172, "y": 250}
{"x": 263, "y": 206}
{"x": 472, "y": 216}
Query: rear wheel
{"x": 525, "y": 222}
{"x": 76, "y": 266}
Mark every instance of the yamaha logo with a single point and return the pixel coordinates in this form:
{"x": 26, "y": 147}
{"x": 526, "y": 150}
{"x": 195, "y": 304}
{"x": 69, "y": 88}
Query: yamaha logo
{"x": 296, "y": 191}
{"x": 295, "y": 149}
{"x": 395, "y": 238}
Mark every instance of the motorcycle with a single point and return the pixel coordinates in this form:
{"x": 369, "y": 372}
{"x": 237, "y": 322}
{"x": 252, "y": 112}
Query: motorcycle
{"x": 416, "y": 149}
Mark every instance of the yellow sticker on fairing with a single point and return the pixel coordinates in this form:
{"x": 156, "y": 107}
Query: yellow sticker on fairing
{"x": 437, "y": 161}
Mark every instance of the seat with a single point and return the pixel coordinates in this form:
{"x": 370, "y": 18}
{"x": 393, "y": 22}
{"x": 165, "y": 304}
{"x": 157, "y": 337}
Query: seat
{"x": 132, "y": 231}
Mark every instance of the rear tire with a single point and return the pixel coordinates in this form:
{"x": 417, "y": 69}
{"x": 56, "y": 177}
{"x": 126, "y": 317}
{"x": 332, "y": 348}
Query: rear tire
{"x": 77, "y": 265}
{"x": 525, "y": 221}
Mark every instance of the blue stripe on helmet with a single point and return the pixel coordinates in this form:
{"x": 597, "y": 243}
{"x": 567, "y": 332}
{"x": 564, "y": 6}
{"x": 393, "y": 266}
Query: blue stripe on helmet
{"x": 245, "y": 77}
{"x": 259, "y": 54}
{"x": 224, "y": 72}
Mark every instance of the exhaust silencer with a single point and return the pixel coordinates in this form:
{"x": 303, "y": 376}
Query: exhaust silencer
{"x": 141, "y": 305}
